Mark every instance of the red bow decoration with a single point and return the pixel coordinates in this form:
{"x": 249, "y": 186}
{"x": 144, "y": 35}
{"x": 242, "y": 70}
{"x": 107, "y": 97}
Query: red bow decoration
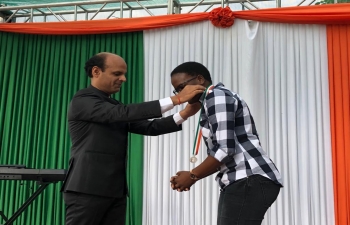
{"x": 222, "y": 17}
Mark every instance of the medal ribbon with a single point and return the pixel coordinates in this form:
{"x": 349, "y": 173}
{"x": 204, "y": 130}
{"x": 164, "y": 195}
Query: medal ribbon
{"x": 198, "y": 138}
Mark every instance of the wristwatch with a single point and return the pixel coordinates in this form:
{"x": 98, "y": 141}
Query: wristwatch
{"x": 193, "y": 176}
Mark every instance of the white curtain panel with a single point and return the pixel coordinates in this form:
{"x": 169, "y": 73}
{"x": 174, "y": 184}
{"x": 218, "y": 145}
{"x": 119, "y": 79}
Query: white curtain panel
{"x": 280, "y": 70}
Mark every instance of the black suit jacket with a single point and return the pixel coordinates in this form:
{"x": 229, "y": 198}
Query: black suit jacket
{"x": 99, "y": 127}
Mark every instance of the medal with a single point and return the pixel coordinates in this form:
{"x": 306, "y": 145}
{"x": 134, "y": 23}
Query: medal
{"x": 193, "y": 159}
{"x": 198, "y": 137}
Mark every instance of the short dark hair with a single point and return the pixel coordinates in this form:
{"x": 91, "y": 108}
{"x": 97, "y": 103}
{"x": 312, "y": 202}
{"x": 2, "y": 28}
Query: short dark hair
{"x": 96, "y": 60}
{"x": 193, "y": 69}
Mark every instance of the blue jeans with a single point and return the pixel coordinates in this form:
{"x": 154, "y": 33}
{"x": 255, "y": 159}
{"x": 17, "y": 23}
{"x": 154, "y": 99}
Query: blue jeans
{"x": 246, "y": 201}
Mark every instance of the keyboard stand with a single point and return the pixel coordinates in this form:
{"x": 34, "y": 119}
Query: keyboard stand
{"x": 25, "y": 205}
{"x": 43, "y": 177}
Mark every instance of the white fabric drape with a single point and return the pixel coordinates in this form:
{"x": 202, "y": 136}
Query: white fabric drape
{"x": 280, "y": 70}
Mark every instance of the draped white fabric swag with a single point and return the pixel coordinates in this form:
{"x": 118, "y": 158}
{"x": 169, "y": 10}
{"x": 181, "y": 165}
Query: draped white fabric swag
{"x": 280, "y": 70}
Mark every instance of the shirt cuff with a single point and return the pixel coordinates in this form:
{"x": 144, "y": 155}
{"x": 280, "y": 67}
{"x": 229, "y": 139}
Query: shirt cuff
{"x": 166, "y": 104}
{"x": 178, "y": 119}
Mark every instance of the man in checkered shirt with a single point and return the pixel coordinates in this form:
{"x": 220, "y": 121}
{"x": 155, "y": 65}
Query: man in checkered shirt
{"x": 249, "y": 180}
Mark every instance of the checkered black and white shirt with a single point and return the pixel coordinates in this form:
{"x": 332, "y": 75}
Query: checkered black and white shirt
{"x": 230, "y": 135}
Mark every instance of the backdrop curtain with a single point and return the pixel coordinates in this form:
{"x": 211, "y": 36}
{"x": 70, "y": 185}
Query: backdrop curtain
{"x": 40, "y": 75}
{"x": 281, "y": 72}
{"x": 339, "y": 89}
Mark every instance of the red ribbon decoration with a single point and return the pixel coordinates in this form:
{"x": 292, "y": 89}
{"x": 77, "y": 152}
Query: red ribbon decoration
{"x": 222, "y": 17}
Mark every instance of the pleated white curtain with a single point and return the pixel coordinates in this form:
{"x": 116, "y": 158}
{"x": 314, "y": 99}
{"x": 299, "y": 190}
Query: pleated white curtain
{"x": 280, "y": 70}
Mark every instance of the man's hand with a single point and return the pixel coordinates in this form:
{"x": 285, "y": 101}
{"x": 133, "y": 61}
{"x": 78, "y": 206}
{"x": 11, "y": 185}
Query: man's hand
{"x": 195, "y": 99}
{"x": 182, "y": 181}
{"x": 188, "y": 93}
{"x": 190, "y": 110}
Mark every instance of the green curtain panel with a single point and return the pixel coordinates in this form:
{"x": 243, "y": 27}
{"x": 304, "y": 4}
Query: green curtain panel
{"x": 39, "y": 76}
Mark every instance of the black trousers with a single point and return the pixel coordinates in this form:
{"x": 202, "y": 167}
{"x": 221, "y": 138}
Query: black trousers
{"x": 85, "y": 209}
{"x": 246, "y": 201}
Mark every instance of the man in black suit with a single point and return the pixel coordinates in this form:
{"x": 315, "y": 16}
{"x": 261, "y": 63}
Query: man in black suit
{"x": 95, "y": 189}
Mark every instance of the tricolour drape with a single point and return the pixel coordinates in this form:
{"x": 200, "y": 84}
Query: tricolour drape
{"x": 316, "y": 14}
{"x": 339, "y": 88}
{"x": 39, "y": 76}
{"x": 281, "y": 72}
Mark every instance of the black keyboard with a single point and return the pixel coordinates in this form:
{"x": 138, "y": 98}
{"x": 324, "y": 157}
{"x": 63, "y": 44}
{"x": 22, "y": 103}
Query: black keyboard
{"x": 22, "y": 173}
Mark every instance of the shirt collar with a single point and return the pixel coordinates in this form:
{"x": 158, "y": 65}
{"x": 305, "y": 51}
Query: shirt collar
{"x": 99, "y": 91}
{"x": 219, "y": 85}
{"x": 201, "y": 99}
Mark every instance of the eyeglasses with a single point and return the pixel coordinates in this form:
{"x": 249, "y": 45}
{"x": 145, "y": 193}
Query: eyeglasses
{"x": 182, "y": 86}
